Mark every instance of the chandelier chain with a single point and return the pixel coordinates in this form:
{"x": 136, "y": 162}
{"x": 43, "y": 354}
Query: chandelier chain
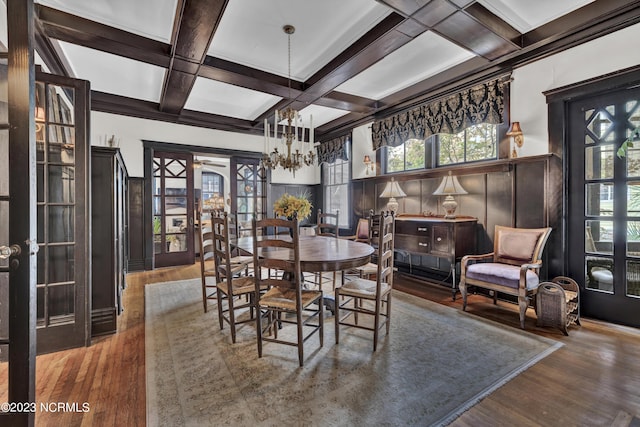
{"x": 292, "y": 156}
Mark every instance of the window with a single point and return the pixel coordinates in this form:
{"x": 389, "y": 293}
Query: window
{"x": 335, "y": 185}
{"x": 212, "y": 190}
{"x": 408, "y": 156}
{"x": 472, "y": 144}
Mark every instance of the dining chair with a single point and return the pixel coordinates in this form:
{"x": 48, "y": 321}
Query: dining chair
{"x": 238, "y": 256}
{"x": 371, "y": 298}
{"x": 327, "y": 225}
{"x": 207, "y": 260}
{"x": 285, "y": 301}
{"x": 230, "y": 286}
{"x": 207, "y": 265}
{"x": 369, "y": 269}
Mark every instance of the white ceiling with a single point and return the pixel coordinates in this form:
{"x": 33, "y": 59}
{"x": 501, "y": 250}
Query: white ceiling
{"x": 250, "y": 33}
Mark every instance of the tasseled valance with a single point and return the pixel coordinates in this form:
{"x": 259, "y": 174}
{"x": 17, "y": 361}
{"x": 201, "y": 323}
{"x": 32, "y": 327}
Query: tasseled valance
{"x": 482, "y": 103}
{"x": 336, "y": 148}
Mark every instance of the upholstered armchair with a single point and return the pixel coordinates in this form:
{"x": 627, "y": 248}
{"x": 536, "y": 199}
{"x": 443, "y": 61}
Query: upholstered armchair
{"x": 512, "y": 268}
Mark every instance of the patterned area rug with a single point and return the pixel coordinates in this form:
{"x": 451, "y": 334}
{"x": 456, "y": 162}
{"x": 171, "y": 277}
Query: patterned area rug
{"x": 436, "y": 363}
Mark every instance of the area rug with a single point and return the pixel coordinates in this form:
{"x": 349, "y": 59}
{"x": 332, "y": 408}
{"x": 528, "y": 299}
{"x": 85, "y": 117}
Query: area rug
{"x": 436, "y": 363}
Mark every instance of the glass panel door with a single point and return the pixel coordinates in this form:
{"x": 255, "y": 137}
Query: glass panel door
{"x": 604, "y": 205}
{"x": 173, "y": 209}
{"x": 249, "y": 183}
{"x": 62, "y": 158}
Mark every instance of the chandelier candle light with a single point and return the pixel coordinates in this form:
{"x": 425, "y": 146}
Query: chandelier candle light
{"x": 298, "y": 151}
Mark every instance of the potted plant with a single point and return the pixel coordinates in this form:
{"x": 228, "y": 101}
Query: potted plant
{"x": 287, "y": 205}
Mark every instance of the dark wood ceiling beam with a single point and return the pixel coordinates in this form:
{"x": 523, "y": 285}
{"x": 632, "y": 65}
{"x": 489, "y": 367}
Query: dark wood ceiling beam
{"x": 51, "y": 53}
{"x": 471, "y": 26}
{"x": 466, "y": 31}
{"x": 249, "y": 78}
{"x": 494, "y": 23}
{"x": 199, "y": 21}
{"x": 83, "y": 32}
{"x": 366, "y": 51}
{"x": 122, "y": 105}
{"x": 587, "y": 16}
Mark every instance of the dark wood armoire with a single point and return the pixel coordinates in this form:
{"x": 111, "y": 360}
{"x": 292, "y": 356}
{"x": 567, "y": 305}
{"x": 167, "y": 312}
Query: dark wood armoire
{"x": 109, "y": 219}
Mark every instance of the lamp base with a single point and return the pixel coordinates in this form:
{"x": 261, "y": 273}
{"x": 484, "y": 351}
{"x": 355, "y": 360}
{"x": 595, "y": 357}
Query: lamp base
{"x": 450, "y": 205}
{"x": 392, "y": 205}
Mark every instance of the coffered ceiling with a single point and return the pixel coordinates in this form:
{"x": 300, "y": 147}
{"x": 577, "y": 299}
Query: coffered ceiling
{"x": 224, "y": 64}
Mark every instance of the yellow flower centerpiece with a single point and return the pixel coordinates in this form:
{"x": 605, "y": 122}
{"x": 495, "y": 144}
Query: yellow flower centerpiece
{"x": 287, "y": 205}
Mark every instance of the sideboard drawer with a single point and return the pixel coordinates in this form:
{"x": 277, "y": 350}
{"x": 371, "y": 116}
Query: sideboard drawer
{"x": 416, "y": 244}
{"x": 413, "y": 228}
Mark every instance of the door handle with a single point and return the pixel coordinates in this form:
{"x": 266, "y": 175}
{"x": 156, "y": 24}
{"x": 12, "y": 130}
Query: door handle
{"x": 7, "y": 251}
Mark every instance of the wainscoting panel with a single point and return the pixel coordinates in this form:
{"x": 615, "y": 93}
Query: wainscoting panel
{"x": 515, "y": 192}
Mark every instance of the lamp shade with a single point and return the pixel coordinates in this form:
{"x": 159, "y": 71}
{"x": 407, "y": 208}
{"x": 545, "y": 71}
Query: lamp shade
{"x": 392, "y": 189}
{"x": 449, "y": 186}
{"x": 514, "y": 129}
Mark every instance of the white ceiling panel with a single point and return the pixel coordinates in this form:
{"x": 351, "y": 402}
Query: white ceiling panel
{"x": 250, "y": 32}
{"x": 228, "y": 100}
{"x": 115, "y": 74}
{"x": 321, "y": 115}
{"x": 148, "y": 18}
{"x": 419, "y": 59}
{"x": 524, "y": 16}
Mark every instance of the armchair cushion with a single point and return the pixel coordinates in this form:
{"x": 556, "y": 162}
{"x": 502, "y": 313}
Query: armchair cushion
{"x": 501, "y": 274}
{"x": 517, "y": 244}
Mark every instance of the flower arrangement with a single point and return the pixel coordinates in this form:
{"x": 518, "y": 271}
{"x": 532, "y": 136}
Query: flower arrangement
{"x": 287, "y": 205}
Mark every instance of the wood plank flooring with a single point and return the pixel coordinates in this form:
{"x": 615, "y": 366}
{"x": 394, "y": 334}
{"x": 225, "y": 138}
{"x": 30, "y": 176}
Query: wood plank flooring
{"x": 593, "y": 380}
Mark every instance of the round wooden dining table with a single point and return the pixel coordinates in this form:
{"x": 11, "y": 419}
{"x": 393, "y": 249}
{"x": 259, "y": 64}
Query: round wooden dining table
{"x": 318, "y": 253}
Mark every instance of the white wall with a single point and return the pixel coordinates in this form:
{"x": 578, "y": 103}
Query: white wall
{"x": 131, "y": 131}
{"x": 362, "y": 145}
{"x": 607, "y": 54}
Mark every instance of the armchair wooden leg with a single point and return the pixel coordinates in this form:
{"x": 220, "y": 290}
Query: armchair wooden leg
{"x": 523, "y": 303}
{"x": 463, "y": 294}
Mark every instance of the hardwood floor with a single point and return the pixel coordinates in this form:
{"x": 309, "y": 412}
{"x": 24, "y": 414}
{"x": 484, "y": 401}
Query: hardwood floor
{"x": 593, "y": 380}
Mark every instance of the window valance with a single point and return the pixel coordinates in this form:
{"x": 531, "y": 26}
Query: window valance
{"x": 334, "y": 149}
{"x": 482, "y": 103}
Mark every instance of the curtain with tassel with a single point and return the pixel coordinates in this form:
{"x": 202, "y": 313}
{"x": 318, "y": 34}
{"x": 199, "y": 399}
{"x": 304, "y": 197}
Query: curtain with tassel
{"x": 482, "y": 103}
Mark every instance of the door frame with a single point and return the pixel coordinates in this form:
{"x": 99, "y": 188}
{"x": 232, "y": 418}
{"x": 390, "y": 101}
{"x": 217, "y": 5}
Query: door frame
{"x": 149, "y": 147}
{"x": 22, "y": 210}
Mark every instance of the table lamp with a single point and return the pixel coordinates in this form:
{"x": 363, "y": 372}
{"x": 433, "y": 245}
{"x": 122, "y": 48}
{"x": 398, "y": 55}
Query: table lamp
{"x": 392, "y": 190}
{"x": 449, "y": 187}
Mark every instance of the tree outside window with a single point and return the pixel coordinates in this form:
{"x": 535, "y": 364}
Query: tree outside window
{"x": 472, "y": 144}
{"x": 408, "y": 156}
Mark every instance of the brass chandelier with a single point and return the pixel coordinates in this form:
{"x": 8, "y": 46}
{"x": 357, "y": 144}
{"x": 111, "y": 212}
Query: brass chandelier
{"x": 290, "y": 151}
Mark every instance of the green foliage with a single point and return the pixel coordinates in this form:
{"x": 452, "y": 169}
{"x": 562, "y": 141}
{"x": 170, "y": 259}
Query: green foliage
{"x": 474, "y": 143}
{"x": 628, "y": 143}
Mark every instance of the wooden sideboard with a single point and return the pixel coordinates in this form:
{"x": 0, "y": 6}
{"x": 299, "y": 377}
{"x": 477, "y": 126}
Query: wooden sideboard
{"x": 436, "y": 236}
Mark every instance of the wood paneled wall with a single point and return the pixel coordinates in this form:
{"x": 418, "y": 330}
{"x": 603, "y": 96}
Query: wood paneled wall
{"x": 136, "y": 224}
{"x": 523, "y": 193}
{"x": 314, "y": 192}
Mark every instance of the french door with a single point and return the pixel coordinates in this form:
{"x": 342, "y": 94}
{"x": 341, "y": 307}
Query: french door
{"x": 62, "y": 163}
{"x": 604, "y": 205}
{"x": 249, "y": 190}
{"x": 173, "y": 208}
